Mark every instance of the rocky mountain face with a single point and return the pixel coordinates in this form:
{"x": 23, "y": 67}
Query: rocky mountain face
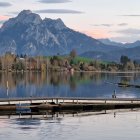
{"x": 29, "y": 34}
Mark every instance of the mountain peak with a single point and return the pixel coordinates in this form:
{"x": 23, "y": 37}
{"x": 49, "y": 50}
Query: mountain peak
{"x": 28, "y": 33}
{"x": 24, "y": 17}
{"x": 60, "y": 20}
{"x": 25, "y": 12}
{"x": 57, "y": 23}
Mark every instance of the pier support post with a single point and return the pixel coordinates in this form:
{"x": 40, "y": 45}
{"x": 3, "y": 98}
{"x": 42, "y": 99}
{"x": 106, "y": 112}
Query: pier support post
{"x": 57, "y": 101}
{"x": 57, "y": 115}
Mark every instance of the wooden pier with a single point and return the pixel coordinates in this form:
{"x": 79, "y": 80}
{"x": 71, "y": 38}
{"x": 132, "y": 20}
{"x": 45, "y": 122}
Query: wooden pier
{"x": 57, "y": 100}
{"x": 28, "y": 105}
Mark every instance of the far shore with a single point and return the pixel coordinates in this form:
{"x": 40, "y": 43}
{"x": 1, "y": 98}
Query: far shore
{"x": 109, "y": 71}
{"x": 38, "y": 71}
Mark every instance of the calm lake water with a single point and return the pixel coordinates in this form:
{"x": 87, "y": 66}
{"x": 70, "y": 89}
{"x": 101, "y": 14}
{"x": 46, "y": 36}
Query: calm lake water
{"x": 79, "y": 126}
{"x": 95, "y": 85}
{"x": 121, "y": 126}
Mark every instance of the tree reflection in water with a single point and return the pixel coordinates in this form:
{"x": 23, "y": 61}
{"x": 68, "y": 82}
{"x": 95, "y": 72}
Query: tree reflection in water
{"x": 63, "y": 84}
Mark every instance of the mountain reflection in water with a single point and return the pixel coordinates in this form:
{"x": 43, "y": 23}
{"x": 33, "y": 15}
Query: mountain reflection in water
{"x": 95, "y": 85}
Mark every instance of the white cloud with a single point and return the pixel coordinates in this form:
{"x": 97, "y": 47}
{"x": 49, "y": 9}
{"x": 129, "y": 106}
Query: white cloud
{"x": 55, "y": 1}
{"x": 58, "y": 11}
{"x": 5, "y": 4}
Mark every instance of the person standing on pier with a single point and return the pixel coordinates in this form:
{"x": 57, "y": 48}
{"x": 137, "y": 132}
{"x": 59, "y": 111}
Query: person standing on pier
{"x": 114, "y": 94}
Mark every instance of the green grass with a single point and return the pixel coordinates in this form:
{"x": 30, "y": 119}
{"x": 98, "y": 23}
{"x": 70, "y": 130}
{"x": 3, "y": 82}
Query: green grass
{"x": 88, "y": 60}
{"x": 79, "y": 59}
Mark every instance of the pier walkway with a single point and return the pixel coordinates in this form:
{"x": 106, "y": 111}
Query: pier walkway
{"x": 33, "y": 104}
{"x": 59, "y": 100}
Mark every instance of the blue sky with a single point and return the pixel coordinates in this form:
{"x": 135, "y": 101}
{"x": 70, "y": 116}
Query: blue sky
{"x": 118, "y": 20}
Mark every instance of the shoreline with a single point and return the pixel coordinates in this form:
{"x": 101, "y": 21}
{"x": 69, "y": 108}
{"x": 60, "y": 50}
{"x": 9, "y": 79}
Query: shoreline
{"x": 123, "y": 72}
{"x": 34, "y": 71}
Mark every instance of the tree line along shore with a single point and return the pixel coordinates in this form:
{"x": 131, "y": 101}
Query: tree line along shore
{"x": 22, "y": 63}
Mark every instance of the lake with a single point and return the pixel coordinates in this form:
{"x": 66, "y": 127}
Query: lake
{"x": 105, "y": 125}
{"x": 94, "y": 85}
{"x": 86, "y": 126}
